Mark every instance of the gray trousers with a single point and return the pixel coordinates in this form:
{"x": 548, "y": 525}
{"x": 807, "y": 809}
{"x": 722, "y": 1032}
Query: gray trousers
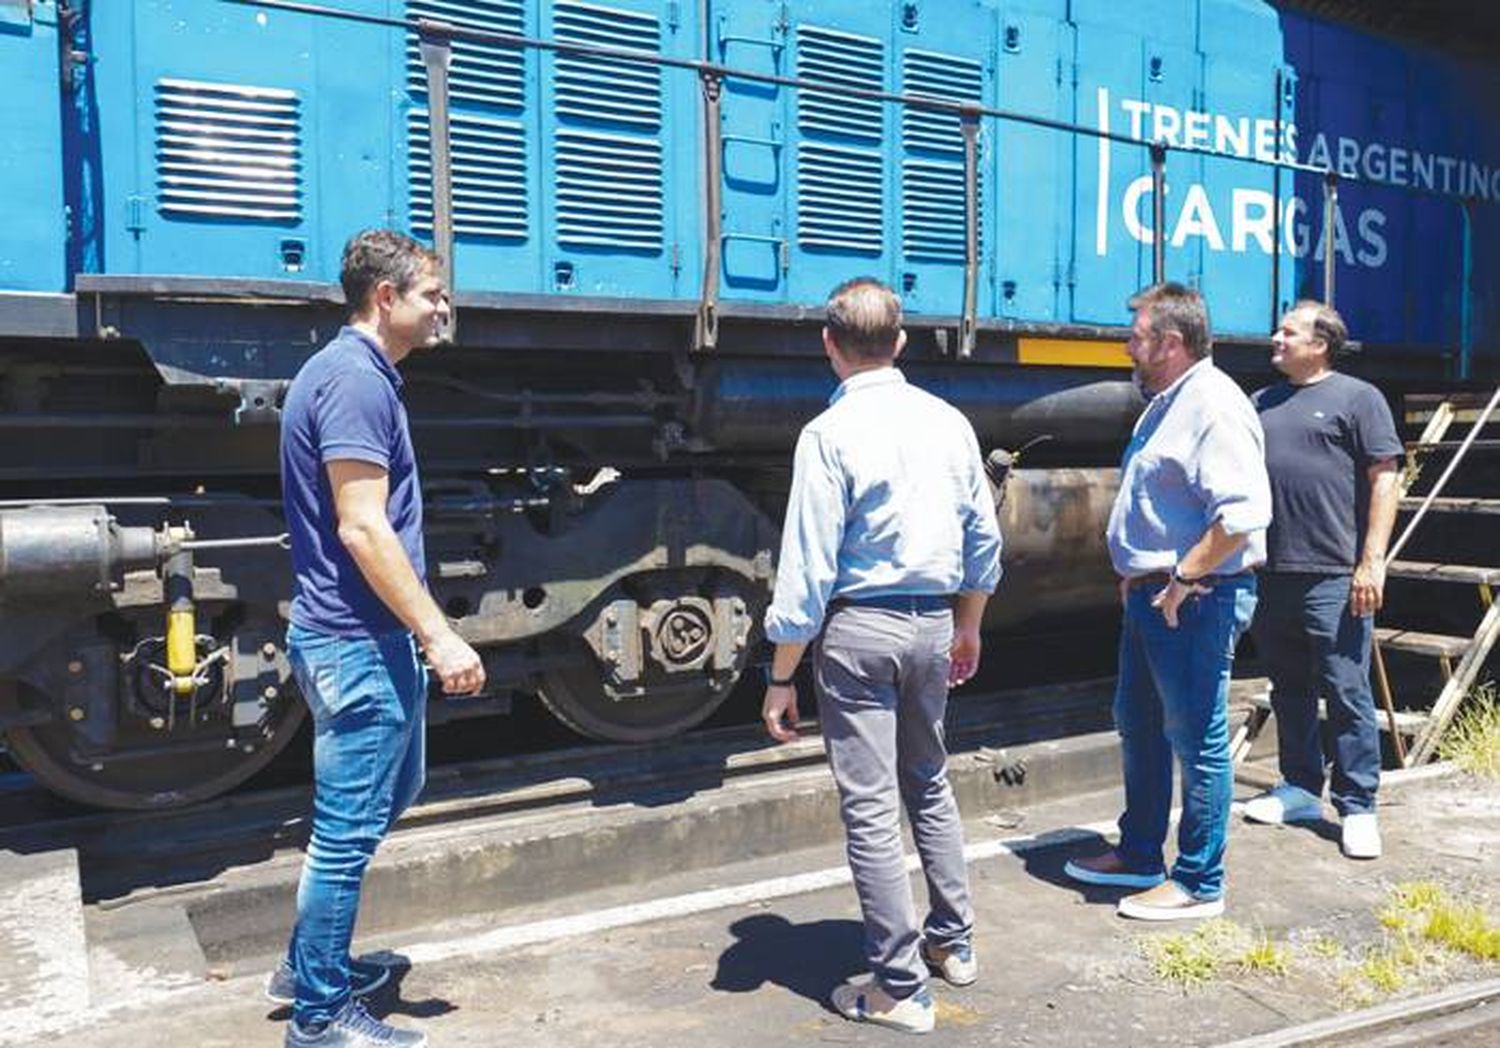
{"x": 882, "y": 684}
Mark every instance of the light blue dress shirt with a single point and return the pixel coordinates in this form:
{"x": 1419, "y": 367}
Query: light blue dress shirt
{"x": 1197, "y": 455}
{"x": 888, "y": 497}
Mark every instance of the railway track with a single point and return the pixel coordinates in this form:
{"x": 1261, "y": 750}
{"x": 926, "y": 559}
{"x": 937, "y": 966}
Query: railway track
{"x": 128, "y": 853}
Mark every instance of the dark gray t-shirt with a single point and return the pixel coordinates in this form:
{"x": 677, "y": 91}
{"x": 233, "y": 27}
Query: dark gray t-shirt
{"x": 1320, "y": 440}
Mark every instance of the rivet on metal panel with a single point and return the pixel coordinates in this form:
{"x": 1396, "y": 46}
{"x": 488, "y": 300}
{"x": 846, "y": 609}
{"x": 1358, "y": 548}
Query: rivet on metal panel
{"x": 911, "y": 16}
{"x": 1013, "y": 39}
{"x": 1156, "y": 72}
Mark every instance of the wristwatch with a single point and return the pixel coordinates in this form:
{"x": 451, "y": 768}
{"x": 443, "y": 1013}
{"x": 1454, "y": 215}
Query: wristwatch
{"x": 772, "y": 681}
{"x": 1181, "y": 579}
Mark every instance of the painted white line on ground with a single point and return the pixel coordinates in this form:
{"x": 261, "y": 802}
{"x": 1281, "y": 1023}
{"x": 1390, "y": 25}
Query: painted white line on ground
{"x": 596, "y": 921}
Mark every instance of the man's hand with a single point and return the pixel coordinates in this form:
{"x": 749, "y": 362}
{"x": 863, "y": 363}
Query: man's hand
{"x": 1367, "y": 592}
{"x": 963, "y": 657}
{"x": 779, "y": 711}
{"x": 456, "y": 664}
{"x": 1170, "y": 599}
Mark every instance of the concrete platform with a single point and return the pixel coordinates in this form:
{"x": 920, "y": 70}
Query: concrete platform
{"x": 45, "y": 976}
{"x": 746, "y": 955}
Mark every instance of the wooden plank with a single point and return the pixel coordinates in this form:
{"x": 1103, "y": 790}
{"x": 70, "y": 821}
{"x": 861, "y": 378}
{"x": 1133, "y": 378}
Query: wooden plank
{"x": 1435, "y": 644}
{"x": 1408, "y": 722}
{"x": 1452, "y": 504}
{"x": 1465, "y": 573}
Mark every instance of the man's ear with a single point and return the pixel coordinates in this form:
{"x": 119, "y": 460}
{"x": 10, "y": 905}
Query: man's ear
{"x": 384, "y": 296}
{"x": 900, "y": 343}
{"x": 830, "y": 350}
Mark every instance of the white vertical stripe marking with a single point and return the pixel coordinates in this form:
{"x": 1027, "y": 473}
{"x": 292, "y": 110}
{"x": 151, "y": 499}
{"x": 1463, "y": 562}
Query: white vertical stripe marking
{"x": 1101, "y": 219}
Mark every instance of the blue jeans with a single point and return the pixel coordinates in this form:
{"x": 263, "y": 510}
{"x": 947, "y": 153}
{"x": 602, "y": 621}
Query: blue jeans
{"x": 368, "y": 699}
{"x": 1172, "y": 699}
{"x": 1315, "y": 648}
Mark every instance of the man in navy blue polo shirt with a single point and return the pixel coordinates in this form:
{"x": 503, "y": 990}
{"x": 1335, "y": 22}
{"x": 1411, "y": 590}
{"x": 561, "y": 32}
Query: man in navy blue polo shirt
{"x": 360, "y": 615}
{"x": 1332, "y": 450}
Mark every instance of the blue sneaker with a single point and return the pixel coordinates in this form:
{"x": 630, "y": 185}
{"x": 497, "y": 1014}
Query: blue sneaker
{"x": 352, "y": 1027}
{"x": 365, "y": 977}
{"x": 1285, "y": 803}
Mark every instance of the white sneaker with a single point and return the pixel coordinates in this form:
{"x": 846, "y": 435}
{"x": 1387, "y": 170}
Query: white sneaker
{"x": 1361, "y": 836}
{"x": 868, "y": 1003}
{"x": 956, "y": 964}
{"x": 1285, "y": 803}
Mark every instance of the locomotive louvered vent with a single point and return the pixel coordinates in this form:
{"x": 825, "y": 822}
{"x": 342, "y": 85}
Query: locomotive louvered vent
{"x": 481, "y": 73}
{"x": 932, "y": 168}
{"x": 842, "y": 60}
{"x": 486, "y": 136}
{"x": 840, "y": 180}
{"x": 609, "y": 179}
{"x": 228, "y": 150}
{"x": 489, "y": 175}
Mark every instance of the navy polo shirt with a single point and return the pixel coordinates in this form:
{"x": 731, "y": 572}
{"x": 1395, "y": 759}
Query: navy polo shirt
{"x": 345, "y": 403}
{"x": 1321, "y": 440}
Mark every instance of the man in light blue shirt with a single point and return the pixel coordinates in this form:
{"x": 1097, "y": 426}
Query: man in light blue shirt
{"x": 1187, "y": 528}
{"x": 888, "y": 555}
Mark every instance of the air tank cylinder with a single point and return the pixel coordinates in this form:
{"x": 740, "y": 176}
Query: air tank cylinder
{"x": 68, "y": 551}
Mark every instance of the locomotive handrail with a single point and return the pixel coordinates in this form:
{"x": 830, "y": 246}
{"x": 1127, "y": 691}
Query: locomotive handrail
{"x": 955, "y": 107}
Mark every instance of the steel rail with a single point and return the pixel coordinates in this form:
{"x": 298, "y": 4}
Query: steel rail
{"x": 126, "y": 851}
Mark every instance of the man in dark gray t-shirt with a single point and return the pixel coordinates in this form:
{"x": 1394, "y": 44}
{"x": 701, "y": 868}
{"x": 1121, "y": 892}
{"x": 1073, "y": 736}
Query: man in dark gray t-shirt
{"x": 1331, "y": 453}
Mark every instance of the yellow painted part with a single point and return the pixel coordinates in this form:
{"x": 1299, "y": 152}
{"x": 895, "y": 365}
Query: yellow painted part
{"x": 1070, "y": 352}
{"x": 182, "y": 649}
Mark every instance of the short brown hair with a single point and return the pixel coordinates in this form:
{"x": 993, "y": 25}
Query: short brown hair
{"x": 864, "y": 319}
{"x": 382, "y": 254}
{"x": 1327, "y": 326}
{"x": 1176, "y": 307}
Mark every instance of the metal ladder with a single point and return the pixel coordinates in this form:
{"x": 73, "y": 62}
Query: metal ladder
{"x": 1425, "y": 729}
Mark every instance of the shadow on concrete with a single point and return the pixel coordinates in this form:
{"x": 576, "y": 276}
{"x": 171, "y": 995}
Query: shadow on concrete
{"x": 1321, "y": 828}
{"x": 387, "y": 1000}
{"x": 808, "y": 959}
{"x": 1045, "y": 863}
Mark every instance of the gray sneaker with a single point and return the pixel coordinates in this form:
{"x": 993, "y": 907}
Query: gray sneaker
{"x": 365, "y": 977}
{"x": 353, "y": 1027}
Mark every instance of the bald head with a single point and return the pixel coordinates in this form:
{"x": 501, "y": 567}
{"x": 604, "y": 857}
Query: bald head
{"x": 864, "y": 320}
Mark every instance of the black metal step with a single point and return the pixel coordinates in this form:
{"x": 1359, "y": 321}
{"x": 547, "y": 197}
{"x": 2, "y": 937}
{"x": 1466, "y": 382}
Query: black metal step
{"x": 1433, "y": 644}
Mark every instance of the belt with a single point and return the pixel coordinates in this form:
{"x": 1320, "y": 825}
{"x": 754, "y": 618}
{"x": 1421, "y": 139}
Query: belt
{"x": 908, "y": 602}
{"x": 1159, "y": 579}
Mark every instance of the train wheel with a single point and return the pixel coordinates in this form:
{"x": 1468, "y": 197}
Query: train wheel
{"x": 657, "y": 655}
{"x": 130, "y": 742}
{"x": 578, "y": 697}
{"x": 166, "y": 780}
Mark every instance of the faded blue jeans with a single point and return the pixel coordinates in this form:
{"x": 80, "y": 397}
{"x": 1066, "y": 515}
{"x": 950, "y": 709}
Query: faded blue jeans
{"x": 368, "y": 699}
{"x": 1314, "y": 646}
{"x": 1172, "y": 699}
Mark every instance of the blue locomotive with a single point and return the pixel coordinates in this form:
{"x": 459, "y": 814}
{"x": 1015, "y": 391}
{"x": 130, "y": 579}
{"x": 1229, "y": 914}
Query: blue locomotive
{"x": 643, "y": 203}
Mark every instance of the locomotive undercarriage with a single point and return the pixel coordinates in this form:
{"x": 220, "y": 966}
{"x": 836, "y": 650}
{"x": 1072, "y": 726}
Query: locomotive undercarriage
{"x": 601, "y": 524}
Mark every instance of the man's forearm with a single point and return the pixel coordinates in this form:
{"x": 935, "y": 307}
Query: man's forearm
{"x": 383, "y": 562}
{"x": 784, "y": 661}
{"x": 1214, "y": 548}
{"x": 968, "y": 610}
{"x": 1385, "y": 498}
